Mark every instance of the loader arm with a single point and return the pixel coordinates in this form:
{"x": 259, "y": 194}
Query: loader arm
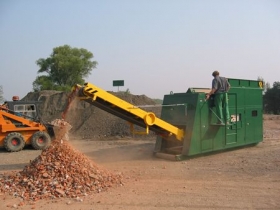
{"x": 120, "y": 108}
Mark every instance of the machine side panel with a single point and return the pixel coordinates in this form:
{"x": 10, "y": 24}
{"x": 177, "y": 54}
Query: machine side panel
{"x": 196, "y": 128}
{"x": 245, "y": 107}
{"x": 254, "y": 116}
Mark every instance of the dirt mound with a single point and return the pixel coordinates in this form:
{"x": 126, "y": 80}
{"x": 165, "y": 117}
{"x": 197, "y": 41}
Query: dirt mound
{"x": 60, "y": 171}
{"x": 89, "y": 122}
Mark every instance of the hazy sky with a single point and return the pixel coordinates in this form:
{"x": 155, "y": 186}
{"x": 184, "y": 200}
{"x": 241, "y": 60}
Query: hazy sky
{"x": 155, "y": 46}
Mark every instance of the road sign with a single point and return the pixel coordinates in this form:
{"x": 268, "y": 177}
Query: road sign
{"x": 118, "y": 83}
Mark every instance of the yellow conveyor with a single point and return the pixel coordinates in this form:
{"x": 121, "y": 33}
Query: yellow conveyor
{"x": 134, "y": 115}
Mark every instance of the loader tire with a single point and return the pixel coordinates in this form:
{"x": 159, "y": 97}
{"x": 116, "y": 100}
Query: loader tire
{"x": 40, "y": 140}
{"x": 14, "y": 142}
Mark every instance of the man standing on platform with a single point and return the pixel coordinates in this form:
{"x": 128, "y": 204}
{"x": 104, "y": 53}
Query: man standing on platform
{"x": 220, "y": 87}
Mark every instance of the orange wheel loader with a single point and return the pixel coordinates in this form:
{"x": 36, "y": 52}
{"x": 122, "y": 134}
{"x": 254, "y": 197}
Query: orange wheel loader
{"x": 20, "y": 126}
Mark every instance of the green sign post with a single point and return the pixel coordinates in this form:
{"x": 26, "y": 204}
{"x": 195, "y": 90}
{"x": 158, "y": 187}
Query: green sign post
{"x": 118, "y": 83}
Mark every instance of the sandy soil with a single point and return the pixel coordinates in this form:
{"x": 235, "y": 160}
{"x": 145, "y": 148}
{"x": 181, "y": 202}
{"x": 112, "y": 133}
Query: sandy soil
{"x": 247, "y": 178}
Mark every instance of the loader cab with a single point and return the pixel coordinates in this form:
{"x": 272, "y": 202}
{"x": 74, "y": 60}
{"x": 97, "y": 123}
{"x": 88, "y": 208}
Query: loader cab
{"x": 24, "y": 109}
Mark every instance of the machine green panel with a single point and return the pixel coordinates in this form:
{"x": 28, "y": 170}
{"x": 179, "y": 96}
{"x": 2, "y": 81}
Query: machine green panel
{"x": 197, "y": 117}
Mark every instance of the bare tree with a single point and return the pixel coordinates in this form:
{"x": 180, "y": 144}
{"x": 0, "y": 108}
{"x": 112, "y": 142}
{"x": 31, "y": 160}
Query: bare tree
{"x": 1, "y": 95}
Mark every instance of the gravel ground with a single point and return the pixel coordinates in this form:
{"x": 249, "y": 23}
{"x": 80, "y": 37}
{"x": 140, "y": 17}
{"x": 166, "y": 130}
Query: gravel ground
{"x": 247, "y": 178}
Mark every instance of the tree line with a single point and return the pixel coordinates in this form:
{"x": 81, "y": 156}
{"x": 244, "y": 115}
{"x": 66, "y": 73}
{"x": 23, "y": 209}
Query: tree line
{"x": 271, "y": 99}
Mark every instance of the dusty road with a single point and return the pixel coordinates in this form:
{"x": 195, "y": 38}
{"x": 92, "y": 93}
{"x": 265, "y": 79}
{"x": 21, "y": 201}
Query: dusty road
{"x": 247, "y": 178}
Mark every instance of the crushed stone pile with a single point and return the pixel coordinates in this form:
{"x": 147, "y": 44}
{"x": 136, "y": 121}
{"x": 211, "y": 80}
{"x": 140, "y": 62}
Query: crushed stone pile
{"x": 59, "y": 171}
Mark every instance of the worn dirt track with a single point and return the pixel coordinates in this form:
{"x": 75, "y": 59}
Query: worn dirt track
{"x": 247, "y": 178}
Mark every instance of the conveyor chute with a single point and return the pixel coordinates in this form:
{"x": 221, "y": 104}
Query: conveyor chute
{"x": 129, "y": 112}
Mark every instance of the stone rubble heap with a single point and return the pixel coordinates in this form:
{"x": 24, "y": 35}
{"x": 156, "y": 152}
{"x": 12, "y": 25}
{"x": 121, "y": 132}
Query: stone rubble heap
{"x": 60, "y": 171}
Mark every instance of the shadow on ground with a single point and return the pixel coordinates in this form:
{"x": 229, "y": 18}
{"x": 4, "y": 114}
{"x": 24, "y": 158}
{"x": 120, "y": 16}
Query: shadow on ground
{"x": 123, "y": 153}
{"x": 12, "y": 167}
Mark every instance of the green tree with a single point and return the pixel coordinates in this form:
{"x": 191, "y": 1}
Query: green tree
{"x": 65, "y": 67}
{"x": 272, "y": 99}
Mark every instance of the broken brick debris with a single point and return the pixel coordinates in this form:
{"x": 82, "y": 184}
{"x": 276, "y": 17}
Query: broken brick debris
{"x": 59, "y": 171}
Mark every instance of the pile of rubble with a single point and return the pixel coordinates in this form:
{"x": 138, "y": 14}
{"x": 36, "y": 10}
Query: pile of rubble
{"x": 60, "y": 171}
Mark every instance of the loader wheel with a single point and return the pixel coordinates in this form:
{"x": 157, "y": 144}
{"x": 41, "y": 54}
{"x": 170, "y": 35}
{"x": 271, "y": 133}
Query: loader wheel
{"x": 40, "y": 140}
{"x": 14, "y": 142}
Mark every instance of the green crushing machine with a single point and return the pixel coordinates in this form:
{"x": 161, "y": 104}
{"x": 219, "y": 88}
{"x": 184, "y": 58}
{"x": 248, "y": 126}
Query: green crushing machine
{"x": 197, "y": 117}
